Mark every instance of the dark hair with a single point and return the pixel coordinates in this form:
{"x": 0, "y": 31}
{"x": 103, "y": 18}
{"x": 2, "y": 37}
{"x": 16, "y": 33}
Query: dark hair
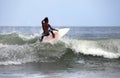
{"x": 46, "y": 19}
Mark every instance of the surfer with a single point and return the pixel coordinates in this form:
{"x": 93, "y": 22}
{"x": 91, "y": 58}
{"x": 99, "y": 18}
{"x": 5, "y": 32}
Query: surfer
{"x": 47, "y": 29}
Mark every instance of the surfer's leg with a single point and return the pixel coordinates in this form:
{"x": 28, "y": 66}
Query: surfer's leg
{"x": 41, "y": 38}
{"x": 53, "y": 34}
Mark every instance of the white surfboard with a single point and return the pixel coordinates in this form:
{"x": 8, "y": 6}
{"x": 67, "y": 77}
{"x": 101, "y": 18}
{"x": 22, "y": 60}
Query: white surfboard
{"x": 58, "y": 34}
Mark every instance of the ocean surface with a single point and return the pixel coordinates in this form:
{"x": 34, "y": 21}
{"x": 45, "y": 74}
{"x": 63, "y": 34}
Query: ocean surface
{"x": 84, "y": 52}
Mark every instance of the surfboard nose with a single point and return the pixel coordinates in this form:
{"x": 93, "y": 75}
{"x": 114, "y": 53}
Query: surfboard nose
{"x": 63, "y": 31}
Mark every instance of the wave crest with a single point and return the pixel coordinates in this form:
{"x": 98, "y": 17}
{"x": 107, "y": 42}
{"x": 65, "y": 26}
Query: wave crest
{"x": 108, "y": 48}
{"x": 18, "y": 38}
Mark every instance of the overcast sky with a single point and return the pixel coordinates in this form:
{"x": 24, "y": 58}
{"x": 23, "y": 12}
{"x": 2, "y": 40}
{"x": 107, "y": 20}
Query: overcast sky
{"x": 60, "y": 12}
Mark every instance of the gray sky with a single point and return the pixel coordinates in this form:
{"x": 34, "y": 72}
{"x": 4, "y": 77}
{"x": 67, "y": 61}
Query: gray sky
{"x": 60, "y": 12}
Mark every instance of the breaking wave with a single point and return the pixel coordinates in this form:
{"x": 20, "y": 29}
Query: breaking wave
{"x": 17, "y": 48}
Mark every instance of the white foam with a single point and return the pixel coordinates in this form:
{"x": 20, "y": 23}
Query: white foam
{"x": 3, "y": 46}
{"x": 19, "y": 54}
{"x": 89, "y": 47}
{"x": 10, "y": 63}
{"x": 28, "y": 37}
{"x": 16, "y": 54}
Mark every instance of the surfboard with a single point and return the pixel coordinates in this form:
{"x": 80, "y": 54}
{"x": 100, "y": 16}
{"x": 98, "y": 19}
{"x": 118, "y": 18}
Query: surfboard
{"x": 58, "y": 35}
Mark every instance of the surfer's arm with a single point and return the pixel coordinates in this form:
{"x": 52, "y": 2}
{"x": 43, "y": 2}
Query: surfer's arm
{"x": 52, "y": 28}
{"x": 43, "y": 25}
{"x": 42, "y": 22}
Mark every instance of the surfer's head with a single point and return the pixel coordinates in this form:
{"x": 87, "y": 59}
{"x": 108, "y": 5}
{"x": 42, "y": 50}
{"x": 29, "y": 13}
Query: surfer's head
{"x": 46, "y": 20}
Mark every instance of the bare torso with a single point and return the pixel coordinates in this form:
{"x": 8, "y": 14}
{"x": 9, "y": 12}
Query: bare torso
{"x": 45, "y": 27}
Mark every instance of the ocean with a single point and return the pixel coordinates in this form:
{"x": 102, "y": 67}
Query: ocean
{"x": 84, "y": 52}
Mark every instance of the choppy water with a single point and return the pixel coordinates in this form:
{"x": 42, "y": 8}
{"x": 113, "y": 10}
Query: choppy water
{"x": 84, "y": 52}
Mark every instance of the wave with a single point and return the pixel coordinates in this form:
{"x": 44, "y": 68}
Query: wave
{"x": 17, "y": 48}
{"x": 37, "y": 52}
{"x": 18, "y": 38}
{"x": 108, "y": 48}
